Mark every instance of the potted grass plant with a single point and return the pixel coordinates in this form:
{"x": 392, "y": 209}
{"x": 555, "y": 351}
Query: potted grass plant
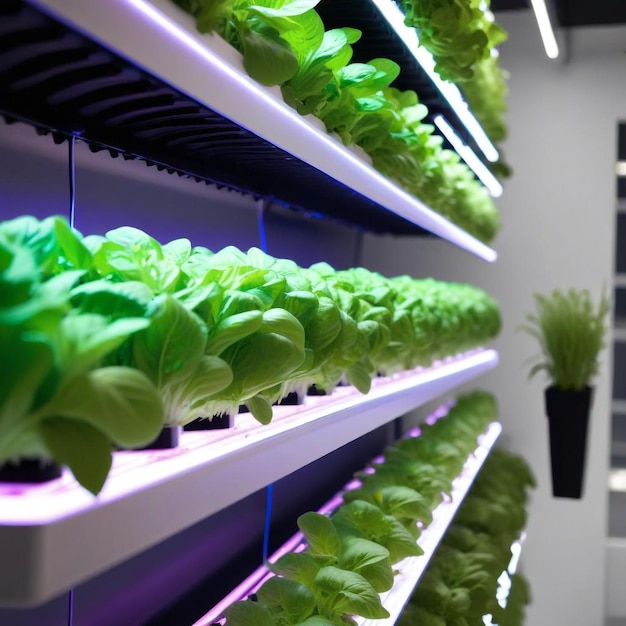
{"x": 570, "y": 330}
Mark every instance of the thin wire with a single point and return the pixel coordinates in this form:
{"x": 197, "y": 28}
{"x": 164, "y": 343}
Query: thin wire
{"x": 70, "y": 608}
{"x": 72, "y": 173}
{"x": 268, "y": 520}
{"x": 262, "y": 207}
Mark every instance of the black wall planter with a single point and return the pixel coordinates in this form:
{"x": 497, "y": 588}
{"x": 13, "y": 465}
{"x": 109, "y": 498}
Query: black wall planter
{"x": 568, "y": 418}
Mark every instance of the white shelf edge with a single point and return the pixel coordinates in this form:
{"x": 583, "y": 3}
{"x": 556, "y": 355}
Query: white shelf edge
{"x": 161, "y": 38}
{"x": 620, "y": 280}
{"x": 411, "y": 569}
{"x": 408, "y": 571}
{"x": 56, "y": 535}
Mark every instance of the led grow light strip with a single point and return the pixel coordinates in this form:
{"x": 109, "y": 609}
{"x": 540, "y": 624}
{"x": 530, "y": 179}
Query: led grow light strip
{"x": 469, "y": 156}
{"x": 409, "y": 570}
{"x": 394, "y": 15}
{"x": 162, "y": 38}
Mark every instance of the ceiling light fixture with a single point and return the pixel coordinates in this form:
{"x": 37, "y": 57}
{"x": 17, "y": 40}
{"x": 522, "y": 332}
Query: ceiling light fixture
{"x": 545, "y": 28}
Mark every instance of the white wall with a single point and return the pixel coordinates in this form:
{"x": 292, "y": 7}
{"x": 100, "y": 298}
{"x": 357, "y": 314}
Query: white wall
{"x": 558, "y": 230}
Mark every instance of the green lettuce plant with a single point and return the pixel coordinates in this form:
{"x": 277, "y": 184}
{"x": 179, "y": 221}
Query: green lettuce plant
{"x": 460, "y": 585}
{"x": 270, "y": 34}
{"x": 58, "y": 400}
{"x": 217, "y": 330}
{"x": 486, "y": 94}
{"x": 458, "y": 34}
{"x": 170, "y": 351}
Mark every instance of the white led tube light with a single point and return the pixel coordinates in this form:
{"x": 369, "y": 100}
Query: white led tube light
{"x": 469, "y": 156}
{"x": 545, "y": 28}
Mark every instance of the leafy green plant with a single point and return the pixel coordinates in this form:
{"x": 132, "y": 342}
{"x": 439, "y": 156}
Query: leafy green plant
{"x": 58, "y": 401}
{"x": 461, "y": 582}
{"x": 171, "y": 349}
{"x": 458, "y": 34}
{"x": 486, "y": 94}
{"x": 213, "y": 331}
{"x": 570, "y": 331}
{"x": 269, "y": 34}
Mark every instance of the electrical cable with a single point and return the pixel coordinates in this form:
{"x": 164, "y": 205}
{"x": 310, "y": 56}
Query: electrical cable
{"x": 72, "y": 176}
{"x": 262, "y": 207}
{"x": 268, "y": 520}
{"x": 70, "y": 608}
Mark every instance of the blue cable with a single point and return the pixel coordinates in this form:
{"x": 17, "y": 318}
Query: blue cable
{"x": 72, "y": 164}
{"x": 70, "y": 612}
{"x": 268, "y": 520}
{"x": 261, "y": 224}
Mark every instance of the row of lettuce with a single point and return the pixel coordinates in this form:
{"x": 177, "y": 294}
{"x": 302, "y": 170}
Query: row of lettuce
{"x": 284, "y": 42}
{"x": 469, "y": 577}
{"x": 351, "y": 555}
{"x": 106, "y": 339}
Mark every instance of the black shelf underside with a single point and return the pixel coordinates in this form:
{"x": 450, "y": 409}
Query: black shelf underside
{"x": 62, "y": 82}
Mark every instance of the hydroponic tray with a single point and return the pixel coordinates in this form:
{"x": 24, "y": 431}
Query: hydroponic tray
{"x": 135, "y": 77}
{"x": 409, "y": 570}
{"x": 56, "y": 535}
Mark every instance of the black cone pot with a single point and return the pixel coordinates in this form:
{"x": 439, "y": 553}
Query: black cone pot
{"x": 568, "y": 418}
